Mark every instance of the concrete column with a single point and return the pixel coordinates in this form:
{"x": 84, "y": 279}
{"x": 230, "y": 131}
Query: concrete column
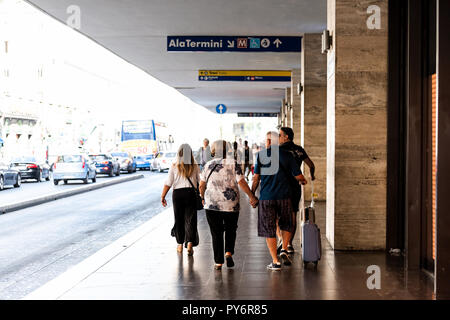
{"x": 313, "y": 111}
{"x": 281, "y": 115}
{"x": 357, "y": 124}
{"x": 287, "y": 101}
{"x": 295, "y": 103}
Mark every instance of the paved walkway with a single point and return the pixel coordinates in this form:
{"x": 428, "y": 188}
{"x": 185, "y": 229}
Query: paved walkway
{"x": 145, "y": 265}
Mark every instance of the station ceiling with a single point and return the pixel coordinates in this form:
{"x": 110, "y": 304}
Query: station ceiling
{"x": 137, "y": 31}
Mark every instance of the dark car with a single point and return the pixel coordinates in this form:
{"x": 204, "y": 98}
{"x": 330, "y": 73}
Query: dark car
{"x": 31, "y": 169}
{"x": 126, "y": 161}
{"x": 105, "y": 164}
{"x": 9, "y": 176}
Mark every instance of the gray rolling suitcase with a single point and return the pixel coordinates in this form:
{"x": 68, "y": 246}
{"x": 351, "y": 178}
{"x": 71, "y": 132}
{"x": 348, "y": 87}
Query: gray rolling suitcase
{"x": 311, "y": 241}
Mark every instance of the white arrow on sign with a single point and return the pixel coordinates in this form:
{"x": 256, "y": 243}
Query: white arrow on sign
{"x": 230, "y": 44}
{"x": 221, "y": 108}
{"x": 277, "y": 42}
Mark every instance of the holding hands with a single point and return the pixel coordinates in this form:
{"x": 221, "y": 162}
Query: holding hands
{"x": 254, "y": 201}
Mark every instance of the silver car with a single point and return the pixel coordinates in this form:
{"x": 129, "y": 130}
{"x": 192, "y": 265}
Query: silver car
{"x": 73, "y": 167}
{"x": 163, "y": 161}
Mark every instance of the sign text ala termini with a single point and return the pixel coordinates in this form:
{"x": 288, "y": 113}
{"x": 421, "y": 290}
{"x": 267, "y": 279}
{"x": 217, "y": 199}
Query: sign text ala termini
{"x": 234, "y": 43}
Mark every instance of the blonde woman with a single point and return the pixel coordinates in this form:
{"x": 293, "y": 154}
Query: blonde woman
{"x": 183, "y": 178}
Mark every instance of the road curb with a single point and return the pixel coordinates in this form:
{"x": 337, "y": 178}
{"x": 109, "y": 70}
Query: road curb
{"x": 64, "y": 194}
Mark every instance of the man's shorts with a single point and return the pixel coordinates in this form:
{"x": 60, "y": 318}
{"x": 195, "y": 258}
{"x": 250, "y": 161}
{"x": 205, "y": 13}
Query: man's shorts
{"x": 269, "y": 211}
{"x": 296, "y": 201}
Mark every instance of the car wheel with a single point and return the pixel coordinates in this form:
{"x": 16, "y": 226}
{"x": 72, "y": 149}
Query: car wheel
{"x": 2, "y": 183}
{"x": 55, "y": 182}
{"x": 18, "y": 181}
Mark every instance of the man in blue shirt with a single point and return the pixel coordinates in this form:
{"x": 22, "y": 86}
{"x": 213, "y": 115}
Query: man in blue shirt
{"x": 273, "y": 169}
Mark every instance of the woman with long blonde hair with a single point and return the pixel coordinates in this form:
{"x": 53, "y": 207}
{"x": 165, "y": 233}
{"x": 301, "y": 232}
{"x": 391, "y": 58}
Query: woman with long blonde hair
{"x": 184, "y": 177}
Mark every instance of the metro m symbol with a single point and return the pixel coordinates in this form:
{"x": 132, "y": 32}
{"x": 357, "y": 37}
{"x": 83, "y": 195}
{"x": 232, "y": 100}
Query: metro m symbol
{"x": 242, "y": 43}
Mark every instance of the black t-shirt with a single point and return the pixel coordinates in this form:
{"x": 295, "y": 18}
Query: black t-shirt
{"x": 298, "y": 152}
{"x": 299, "y": 155}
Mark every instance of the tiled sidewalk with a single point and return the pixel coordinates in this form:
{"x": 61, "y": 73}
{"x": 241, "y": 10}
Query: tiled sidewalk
{"x": 149, "y": 267}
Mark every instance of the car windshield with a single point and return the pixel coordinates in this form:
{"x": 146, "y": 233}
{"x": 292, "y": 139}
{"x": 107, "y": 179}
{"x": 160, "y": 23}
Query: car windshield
{"x": 70, "y": 159}
{"x": 120, "y": 154}
{"x": 170, "y": 155}
{"x": 100, "y": 157}
{"x": 24, "y": 160}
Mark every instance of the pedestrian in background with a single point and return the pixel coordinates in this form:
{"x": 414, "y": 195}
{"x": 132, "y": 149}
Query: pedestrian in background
{"x": 237, "y": 155}
{"x": 219, "y": 187}
{"x": 204, "y": 154}
{"x": 248, "y": 159}
{"x": 184, "y": 177}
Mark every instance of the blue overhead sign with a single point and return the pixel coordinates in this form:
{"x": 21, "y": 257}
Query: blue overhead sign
{"x": 234, "y": 43}
{"x": 221, "y": 109}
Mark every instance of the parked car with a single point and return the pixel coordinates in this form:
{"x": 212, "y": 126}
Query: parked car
{"x": 144, "y": 162}
{"x": 30, "y": 168}
{"x": 105, "y": 164}
{"x": 163, "y": 161}
{"x": 74, "y": 167}
{"x": 9, "y": 176}
{"x": 126, "y": 161}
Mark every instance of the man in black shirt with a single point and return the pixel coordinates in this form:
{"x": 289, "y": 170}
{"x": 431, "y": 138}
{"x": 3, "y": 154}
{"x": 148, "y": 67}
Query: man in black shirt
{"x": 248, "y": 158}
{"x": 286, "y": 139}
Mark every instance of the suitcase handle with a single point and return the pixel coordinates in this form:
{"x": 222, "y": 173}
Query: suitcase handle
{"x": 312, "y": 194}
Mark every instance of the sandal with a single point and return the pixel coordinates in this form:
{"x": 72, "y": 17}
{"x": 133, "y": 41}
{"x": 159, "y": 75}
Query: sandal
{"x": 190, "y": 250}
{"x": 180, "y": 248}
{"x": 218, "y": 266}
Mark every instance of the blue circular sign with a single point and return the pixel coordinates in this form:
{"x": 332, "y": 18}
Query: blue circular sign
{"x": 221, "y": 109}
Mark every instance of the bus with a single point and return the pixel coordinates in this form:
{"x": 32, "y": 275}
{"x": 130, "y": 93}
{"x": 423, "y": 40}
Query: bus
{"x": 143, "y": 137}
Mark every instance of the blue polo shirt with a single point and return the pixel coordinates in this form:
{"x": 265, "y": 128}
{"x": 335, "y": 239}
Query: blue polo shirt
{"x": 275, "y": 183}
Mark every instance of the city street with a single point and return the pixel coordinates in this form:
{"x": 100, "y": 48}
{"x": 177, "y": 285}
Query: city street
{"x": 31, "y": 189}
{"x": 41, "y": 242}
